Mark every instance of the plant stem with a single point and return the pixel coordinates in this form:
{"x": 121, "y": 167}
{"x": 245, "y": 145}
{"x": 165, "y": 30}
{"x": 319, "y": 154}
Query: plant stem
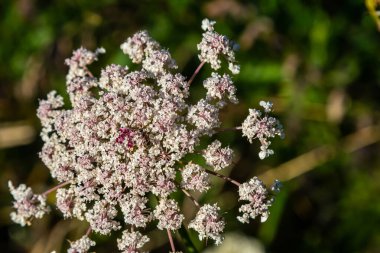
{"x": 56, "y": 187}
{"x": 223, "y": 177}
{"x": 196, "y": 72}
{"x": 88, "y": 72}
{"x": 171, "y": 240}
{"x": 89, "y": 230}
{"x": 229, "y": 129}
{"x": 191, "y": 197}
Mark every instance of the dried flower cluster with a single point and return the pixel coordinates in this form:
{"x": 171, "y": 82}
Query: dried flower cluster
{"x": 120, "y": 147}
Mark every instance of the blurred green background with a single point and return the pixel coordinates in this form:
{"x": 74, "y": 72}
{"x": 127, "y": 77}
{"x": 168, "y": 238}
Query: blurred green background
{"x": 317, "y": 61}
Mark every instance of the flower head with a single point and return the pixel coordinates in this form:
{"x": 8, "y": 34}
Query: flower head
{"x": 262, "y": 128}
{"x": 131, "y": 241}
{"x": 220, "y": 88}
{"x": 259, "y": 200}
{"x": 204, "y": 116}
{"x": 121, "y": 149}
{"x": 135, "y": 210}
{"x": 168, "y": 214}
{"x": 194, "y": 177}
{"x": 208, "y": 223}
{"x": 101, "y": 218}
{"x": 218, "y": 157}
{"x": 81, "y": 246}
{"x": 214, "y": 45}
{"x": 27, "y": 204}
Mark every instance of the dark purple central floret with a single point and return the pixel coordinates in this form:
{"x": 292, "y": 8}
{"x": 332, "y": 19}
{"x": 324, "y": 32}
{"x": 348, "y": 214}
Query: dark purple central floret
{"x": 125, "y": 133}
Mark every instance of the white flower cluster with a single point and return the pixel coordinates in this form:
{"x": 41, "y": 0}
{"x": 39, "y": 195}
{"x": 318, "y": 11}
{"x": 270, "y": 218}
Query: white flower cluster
{"x": 81, "y": 246}
{"x": 214, "y": 45}
{"x": 168, "y": 215}
{"x": 27, "y": 204}
{"x": 208, "y": 223}
{"x": 220, "y": 88}
{"x": 218, "y": 157}
{"x": 195, "y": 178}
{"x": 262, "y": 128}
{"x": 204, "y": 116}
{"x": 259, "y": 200}
{"x": 120, "y": 148}
{"x": 131, "y": 241}
{"x": 134, "y": 210}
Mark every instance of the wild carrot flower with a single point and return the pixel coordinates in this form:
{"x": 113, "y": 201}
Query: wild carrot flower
{"x": 119, "y": 150}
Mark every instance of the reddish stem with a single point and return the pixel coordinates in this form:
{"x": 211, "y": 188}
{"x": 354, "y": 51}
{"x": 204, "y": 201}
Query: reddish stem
{"x": 88, "y": 72}
{"x": 171, "y": 240}
{"x": 56, "y": 187}
{"x": 88, "y": 232}
{"x": 196, "y": 72}
{"x": 229, "y": 129}
{"x": 191, "y": 197}
{"x": 223, "y": 177}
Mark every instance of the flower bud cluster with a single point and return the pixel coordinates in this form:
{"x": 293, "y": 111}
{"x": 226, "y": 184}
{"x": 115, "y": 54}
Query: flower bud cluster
{"x": 119, "y": 150}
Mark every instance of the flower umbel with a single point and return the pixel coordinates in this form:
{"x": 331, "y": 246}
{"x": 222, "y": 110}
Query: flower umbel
{"x": 131, "y": 241}
{"x": 208, "y": 223}
{"x": 262, "y": 128}
{"x": 214, "y": 45}
{"x": 259, "y": 200}
{"x": 218, "y": 157}
{"x": 27, "y": 204}
{"x": 122, "y": 149}
{"x": 81, "y": 246}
